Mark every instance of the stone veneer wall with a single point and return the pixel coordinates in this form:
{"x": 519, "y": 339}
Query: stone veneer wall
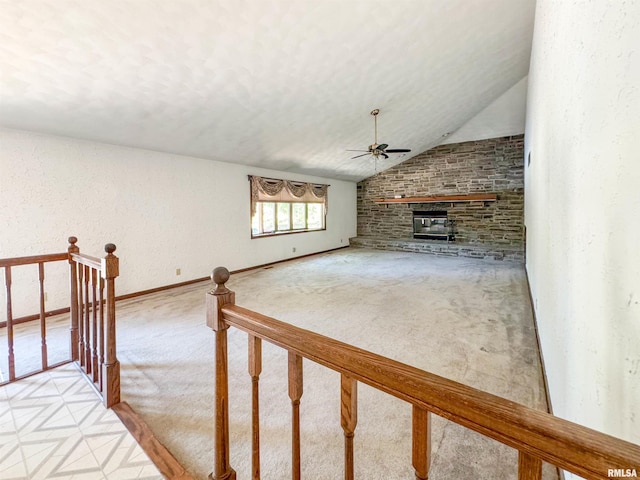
{"x": 485, "y": 166}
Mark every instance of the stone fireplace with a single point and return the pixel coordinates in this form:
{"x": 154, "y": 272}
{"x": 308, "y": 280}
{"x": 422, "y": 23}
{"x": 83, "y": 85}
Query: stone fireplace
{"x": 414, "y": 205}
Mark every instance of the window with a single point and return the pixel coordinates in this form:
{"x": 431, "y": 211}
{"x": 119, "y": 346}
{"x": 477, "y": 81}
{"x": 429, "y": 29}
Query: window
{"x": 272, "y": 218}
{"x": 283, "y": 206}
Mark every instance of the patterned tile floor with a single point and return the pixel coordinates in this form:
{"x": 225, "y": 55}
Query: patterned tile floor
{"x": 53, "y": 425}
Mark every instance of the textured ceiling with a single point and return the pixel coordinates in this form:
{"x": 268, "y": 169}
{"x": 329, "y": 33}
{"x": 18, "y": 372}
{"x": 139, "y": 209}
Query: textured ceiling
{"x": 281, "y": 84}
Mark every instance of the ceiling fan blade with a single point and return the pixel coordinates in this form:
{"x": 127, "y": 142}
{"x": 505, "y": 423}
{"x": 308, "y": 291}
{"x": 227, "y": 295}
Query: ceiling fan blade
{"x": 382, "y": 146}
{"x": 358, "y": 156}
{"x": 384, "y": 155}
{"x": 357, "y": 150}
{"x": 398, "y": 150}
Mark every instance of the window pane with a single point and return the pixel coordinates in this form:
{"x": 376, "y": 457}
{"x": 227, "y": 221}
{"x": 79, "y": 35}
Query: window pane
{"x": 283, "y": 216}
{"x": 314, "y": 215}
{"x": 268, "y": 217}
{"x": 299, "y": 214}
{"x": 255, "y": 221}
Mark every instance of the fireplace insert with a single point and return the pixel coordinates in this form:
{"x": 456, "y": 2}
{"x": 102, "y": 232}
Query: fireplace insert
{"x": 433, "y": 225}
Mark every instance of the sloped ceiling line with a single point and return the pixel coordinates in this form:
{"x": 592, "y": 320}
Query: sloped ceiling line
{"x": 284, "y": 84}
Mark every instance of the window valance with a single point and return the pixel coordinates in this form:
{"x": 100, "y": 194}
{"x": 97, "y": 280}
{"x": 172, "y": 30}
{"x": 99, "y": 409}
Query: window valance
{"x": 274, "y": 190}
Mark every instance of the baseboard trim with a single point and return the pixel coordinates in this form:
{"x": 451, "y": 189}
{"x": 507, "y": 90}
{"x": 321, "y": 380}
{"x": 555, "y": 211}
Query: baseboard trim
{"x": 559, "y": 471}
{"x": 286, "y": 260}
{"x": 140, "y": 293}
{"x": 36, "y": 316}
{"x": 540, "y": 355}
{"x": 59, "y": 311}
{"x": 162, "y": 458}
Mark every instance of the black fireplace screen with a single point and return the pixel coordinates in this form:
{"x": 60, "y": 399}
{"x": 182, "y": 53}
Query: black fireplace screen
{"x": 434, "y": 225}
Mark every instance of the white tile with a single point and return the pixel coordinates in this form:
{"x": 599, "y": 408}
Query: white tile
{"x": 103, "y": 446}
{"x": 44, "y": 471}
{"x": 22, "y": 417}
{"x": 53, "y": 425}
{"x": 12, "y": 465}
{"x": 8, "y": 440}
{"x": 56, "y": 417}
{"x": 7, "y": 424}
{"x": 137, "y": 454}
{"x": 88, "y": 476}
{"x": 35, "y": 435}
{"x": 79, "y": 460}
{"x": 150, "y": 472}
{"x": 125, "y": 473}
{"x": 36, "y": 454}
{"x": 81, "y": 409}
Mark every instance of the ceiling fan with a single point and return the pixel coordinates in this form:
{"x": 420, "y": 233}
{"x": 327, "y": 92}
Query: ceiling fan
{"x": 377, "y": 149}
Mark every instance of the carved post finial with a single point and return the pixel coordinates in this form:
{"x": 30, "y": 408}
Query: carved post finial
{"x": 110, "y": 263}
{"x": 220, "y": 276}
{"x": 72, "y": 248}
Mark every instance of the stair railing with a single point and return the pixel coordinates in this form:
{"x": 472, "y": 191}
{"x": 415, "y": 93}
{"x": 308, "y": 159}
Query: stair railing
{"x": 8, "y": 264}
{"x": 93, "y": 319}
{"x": 538, "y": 436}
{"x": 92, "y": 316}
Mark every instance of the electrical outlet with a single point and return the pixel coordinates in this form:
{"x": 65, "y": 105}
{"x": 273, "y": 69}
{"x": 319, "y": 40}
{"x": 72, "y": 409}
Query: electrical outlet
{"x": 178, "y": 271}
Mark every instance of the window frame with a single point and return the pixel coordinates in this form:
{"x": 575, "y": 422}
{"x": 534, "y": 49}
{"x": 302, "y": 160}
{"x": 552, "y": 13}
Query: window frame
{"x": 276, "y": 232}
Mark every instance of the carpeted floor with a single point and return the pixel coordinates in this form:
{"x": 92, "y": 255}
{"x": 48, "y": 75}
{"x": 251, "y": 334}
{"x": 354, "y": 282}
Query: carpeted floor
{"x": 465, "y": 319}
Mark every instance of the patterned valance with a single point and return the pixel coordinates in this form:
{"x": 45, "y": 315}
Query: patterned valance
{"x": 274, "y": 190}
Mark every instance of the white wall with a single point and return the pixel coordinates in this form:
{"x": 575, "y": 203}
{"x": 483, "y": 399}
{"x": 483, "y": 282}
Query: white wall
{"x": 501, "y": 118}
{"x": 582, "y": 212}
{"x": 162, "y": 211}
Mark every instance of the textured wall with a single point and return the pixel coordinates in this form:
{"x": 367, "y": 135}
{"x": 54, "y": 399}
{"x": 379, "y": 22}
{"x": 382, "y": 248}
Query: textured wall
{"x": 584, "y": 267}
{"x": 162, "y": 211}
{"x": 493, "y": 165}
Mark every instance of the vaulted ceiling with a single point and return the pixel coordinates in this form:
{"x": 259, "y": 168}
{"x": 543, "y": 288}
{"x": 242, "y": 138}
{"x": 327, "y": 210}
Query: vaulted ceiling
{"x": 281, "y": 84}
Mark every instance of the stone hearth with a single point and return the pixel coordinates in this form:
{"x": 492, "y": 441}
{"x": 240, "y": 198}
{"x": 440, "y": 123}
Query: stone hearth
{"x": 438, "y": 247}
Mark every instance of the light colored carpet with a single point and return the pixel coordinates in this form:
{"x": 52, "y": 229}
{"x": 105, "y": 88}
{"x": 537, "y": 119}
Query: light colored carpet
{"x": 465, "y": 319}
{"x": 468, "y": 320}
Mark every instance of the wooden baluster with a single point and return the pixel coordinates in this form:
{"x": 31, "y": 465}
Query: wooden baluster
{"x": 87, "y": 327}
{"x": 421, "y": 444}
{"x": 529, "y": 467}
{"x": 81, "y": 306}
{"x": 94, "y": 312}
{"x": 255, "y": 368}
{"x": 215, "y": 301}
{"x": 73, "y": 284}
{"x": 348, "y": 420}
{"x": 43, "y": 326}
{"x": 111, "y": 368}
{"x": 295, "y": 393}
{"x": 12, "y": 360}
{"x": 102, "y": 336}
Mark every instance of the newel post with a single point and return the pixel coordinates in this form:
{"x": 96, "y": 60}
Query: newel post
{"x": 73, "y": 285}
{"x": 216, "y": 299}
{"x": 109, "y": 270}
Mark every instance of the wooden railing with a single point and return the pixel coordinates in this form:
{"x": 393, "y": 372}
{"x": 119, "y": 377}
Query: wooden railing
{"x": 538, "y": 436}
{"x": 8, "y": 264}
{"x": 92, "y": 336}
{"x": 93, "y": 319}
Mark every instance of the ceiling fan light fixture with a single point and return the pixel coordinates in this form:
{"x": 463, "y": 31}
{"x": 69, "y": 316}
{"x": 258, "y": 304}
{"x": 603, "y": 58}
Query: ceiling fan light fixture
{"x": 375, "y": 148}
